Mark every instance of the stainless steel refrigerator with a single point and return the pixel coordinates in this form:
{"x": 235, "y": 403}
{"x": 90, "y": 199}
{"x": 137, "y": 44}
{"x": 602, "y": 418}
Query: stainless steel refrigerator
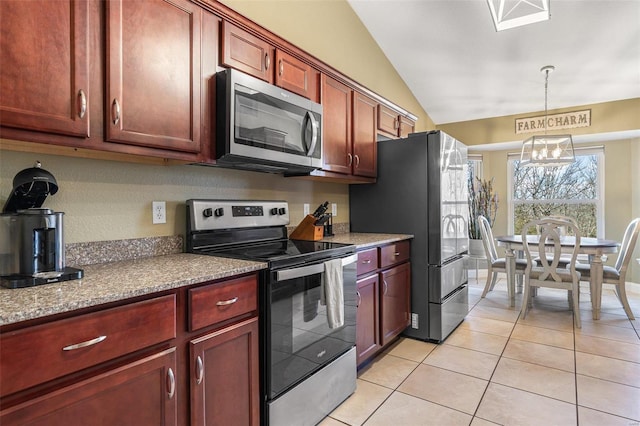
{"x": 422, "y": 190}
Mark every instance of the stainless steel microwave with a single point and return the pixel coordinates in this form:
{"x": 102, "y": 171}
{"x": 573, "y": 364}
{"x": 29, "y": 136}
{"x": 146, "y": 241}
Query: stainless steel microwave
{"x": 262, "y": 127}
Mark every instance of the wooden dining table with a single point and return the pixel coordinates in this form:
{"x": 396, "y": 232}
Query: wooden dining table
{"x": 595, "y": 248}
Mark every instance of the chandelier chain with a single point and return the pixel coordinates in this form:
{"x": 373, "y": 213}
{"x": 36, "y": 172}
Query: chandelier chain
{"x": 546, "y": 88}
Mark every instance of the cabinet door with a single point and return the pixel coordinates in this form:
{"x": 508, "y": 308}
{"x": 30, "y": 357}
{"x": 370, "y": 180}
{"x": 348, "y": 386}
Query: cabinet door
{"x": 153, "y": 74}
{"x": 139, "y": 393}
{"x": 387, "y": 121}
{"x": 225, "y": 376}
{"x": 395, "y": 302}
{"x": 296, "y": 76}
{"x": 44, "y": 71}
{"x": 364, "y": 136}
{"x": 246, "y": 52}
{"x": 406, "y": 126}
{"x": 367, "y": 325}
{"x": 336, "y": 123}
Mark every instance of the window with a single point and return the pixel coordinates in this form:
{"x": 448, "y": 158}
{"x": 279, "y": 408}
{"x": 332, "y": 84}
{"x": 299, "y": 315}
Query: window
{"x": 575, "y": 190}
{"x": 474, "y": 161}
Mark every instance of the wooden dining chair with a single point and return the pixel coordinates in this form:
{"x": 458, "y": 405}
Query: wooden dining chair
{"x": 564, "y": 258}
{"x": 616, "y": 274}
{"x": 549, "y": 273}
{"x": 495, "y": 264}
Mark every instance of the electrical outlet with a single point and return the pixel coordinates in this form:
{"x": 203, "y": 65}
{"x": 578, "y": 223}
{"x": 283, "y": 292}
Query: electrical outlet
{"x": 159, "y": 211}
{"x": 334, "y": 209}
{"x": 305, "y": 209}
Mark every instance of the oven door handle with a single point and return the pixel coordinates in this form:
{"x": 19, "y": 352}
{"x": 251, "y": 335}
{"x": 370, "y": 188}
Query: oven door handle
{"x": 304, "y": 271}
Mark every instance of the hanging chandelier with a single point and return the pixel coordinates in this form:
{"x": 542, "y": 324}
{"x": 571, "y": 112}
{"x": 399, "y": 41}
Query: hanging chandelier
{"x": 547, "y": 150}
{"x": 516, "y": 13}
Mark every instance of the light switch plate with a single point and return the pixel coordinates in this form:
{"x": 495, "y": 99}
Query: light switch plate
{"x": 305, "y": 209}
{"x": 334, "y": 209}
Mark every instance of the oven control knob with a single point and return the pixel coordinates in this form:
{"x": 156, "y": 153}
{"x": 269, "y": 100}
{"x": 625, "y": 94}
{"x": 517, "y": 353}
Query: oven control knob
{"x": 274, "y": 211}
{"x": 282, "y": 210}
{"x": 207, "y": 212}
{"x": 218, "y": 212}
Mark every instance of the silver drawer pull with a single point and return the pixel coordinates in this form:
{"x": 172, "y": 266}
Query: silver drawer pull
{"x": 82, "y": 100}
{"x": 396, "y": 253}
{"x": 115, "y": 112}
{"x": 199, "y": 370}
{"x": 366, "y": 261}
{"x": 227, "y": 302}
{"x": 171, "y": 383}
{"x": 84, "y": 344}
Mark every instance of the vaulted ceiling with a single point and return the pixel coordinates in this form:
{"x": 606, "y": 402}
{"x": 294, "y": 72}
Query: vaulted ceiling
{"x": 459, "y": 68}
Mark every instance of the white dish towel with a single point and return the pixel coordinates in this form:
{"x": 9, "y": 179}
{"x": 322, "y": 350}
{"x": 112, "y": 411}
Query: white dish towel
{"x": 332, "y": 294}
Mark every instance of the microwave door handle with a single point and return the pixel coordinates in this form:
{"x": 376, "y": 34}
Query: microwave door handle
{"x": 314, "y": 131}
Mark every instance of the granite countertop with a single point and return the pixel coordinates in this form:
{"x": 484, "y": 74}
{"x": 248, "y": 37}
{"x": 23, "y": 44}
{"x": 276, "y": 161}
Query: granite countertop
{"x": 364, "y": 240}
{"x": 109, "y": 282}
{"x": 113, "y": 281}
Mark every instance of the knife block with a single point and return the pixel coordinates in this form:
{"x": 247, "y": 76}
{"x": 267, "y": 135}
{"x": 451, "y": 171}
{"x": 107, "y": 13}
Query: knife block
{"x": 307, "y": 230}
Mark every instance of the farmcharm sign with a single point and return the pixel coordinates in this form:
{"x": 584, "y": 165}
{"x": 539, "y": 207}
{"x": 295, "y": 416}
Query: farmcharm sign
{"x": 568, "y": 120}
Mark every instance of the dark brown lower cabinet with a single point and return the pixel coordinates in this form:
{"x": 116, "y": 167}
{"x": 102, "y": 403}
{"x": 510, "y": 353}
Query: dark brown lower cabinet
{"x": 384, "y": 297}
{"x": 395, "y": 301}
{"x": 367, "y": 336}
{"x": 189, "y": 357}
{"x": 139, "y": 393}
{"x": 225, "y": 379}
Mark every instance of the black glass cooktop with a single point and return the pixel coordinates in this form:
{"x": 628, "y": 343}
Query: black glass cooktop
{"x": 284, "y": 252}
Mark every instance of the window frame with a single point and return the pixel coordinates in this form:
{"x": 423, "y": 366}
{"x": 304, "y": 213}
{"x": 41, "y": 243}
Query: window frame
{"x": 598, "y": 151}
{"x": 476, "y": 165}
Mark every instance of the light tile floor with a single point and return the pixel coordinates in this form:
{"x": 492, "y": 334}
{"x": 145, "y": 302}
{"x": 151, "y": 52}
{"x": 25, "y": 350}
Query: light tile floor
{"x": 497, "y": 368}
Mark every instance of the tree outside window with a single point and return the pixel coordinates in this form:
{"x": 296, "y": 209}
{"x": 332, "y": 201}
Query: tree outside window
{"x": 572, "y": 190}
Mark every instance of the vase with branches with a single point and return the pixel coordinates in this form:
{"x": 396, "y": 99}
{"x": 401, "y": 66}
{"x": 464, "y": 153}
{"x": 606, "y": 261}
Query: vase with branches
{"x": 483, "y": 200}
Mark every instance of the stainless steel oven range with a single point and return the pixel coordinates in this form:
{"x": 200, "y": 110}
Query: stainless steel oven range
{"x": 308, "y": 357}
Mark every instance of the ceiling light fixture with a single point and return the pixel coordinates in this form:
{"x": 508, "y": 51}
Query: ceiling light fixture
{"x": 516, "y": 13}
{"x": 547, "y": 150}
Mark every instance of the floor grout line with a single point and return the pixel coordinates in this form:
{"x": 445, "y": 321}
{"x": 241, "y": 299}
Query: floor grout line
{"x": 478, "y": 303}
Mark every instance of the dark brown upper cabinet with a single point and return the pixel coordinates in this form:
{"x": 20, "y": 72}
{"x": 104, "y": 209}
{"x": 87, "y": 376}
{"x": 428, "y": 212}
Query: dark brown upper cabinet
{"x": 154, "y": 74}
{"x": 392, "y": 124}
{"x": 252, "y": 55}
{"x": 44, "y": 71}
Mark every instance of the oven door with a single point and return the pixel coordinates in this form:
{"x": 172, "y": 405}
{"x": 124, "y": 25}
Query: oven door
{"x": 299, "y": 340}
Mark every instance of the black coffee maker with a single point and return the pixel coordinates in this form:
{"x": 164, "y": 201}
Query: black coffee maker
{"x": 31, "y": 237}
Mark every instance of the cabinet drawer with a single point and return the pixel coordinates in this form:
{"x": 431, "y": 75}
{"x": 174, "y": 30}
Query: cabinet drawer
{"x": 367, "y": 261}
{"x": 221, "y": 301}
{"x": 394, "y": 253}
{"x": 41, "y": 353}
